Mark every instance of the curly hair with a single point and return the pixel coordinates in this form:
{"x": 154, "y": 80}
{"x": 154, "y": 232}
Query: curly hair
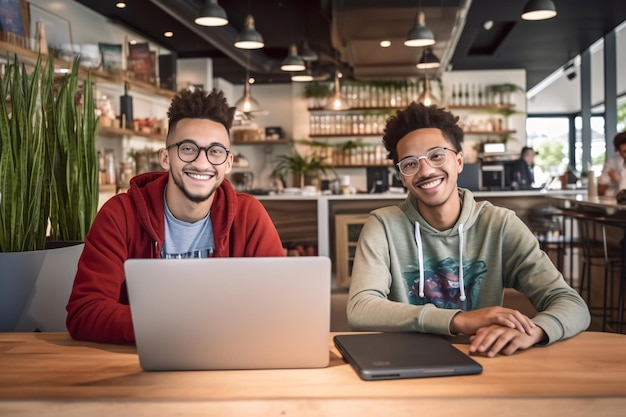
{"x": 198, "y": 105}
{"x": 418, "y": 116}
{"x": 619, "y": 140}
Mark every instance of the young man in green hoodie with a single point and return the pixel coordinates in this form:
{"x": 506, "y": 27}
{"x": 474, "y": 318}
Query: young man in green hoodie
{"x": 440, "y": 261}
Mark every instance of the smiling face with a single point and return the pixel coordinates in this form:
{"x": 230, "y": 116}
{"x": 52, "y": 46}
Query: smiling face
{"x": 192, "y": 185}
{"x": 434, "y": 188}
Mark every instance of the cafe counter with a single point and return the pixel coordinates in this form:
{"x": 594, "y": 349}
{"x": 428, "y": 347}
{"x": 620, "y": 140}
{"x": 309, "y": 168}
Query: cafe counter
{"x": 310, "y": 219}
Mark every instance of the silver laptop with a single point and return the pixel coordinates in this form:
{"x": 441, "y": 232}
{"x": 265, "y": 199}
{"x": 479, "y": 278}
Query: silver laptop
{"x": 230, "y": 313}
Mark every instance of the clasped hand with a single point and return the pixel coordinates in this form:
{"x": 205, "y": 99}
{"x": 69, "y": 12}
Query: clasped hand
{"x": 494, "y": 330}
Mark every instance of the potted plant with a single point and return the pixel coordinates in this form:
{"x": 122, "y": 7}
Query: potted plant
{"x": 501, "y": 93}
{"x": 302, "y": 168}
{"x": 48, "y": 186}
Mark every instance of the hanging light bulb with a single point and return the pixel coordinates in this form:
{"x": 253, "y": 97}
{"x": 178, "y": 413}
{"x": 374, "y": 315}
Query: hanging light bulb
{"x": 428, "y": 60}
{"x": 427, "y": 98}
{"x": 539, "y": 10}
{"x": 247, "y": 104}
{"x": 211, "y": 14}
{"x": 420, "y": 35}
{"x": 337, "y": 102}
{"x": 303, "y": 76}
{"x": 249, "y": 38}
{"x": 292, "y": 62}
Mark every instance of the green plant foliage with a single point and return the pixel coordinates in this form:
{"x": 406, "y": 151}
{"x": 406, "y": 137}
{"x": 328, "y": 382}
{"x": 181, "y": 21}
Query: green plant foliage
{"x": 503, "y": 88}
{"x": 75, "y": 164}
{"x": 300, "y": 166}
{"x": 24, "y": 167}
{"x": 621, "y": 116}
{"x": 48, "y": 160}
{"x": 317, "y": 90}
{"x": 551, "y": 156}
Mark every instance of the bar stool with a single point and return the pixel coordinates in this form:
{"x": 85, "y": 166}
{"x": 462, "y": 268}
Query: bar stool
{"x": 572, "y": 243}
{"x": 546, "y": 223}
{"x": 596, "y": 252}
{"x": 615, "y": 256}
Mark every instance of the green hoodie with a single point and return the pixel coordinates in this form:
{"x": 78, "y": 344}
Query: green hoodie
{"x": 406, "y": 274}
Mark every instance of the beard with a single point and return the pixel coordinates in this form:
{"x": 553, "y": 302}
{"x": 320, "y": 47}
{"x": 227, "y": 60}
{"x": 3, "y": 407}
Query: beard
{"x": 196, "y": 198}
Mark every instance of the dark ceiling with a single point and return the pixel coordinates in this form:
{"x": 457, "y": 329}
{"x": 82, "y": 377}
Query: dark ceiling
{"x": 345, "y": 34}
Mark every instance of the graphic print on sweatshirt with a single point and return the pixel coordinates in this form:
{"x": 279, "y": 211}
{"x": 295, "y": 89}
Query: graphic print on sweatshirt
{"x": 441, "y": 283}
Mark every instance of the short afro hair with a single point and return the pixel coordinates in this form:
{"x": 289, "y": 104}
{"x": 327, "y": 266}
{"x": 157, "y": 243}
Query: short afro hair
{"x": 197, "y": 104}
{"x": 418, "y": 116}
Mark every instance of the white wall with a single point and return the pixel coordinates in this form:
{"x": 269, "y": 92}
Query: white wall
{"x": 560, "y": 95}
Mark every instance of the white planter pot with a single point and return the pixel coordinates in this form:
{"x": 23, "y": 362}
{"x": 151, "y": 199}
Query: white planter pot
{"x": 35, "y": 287}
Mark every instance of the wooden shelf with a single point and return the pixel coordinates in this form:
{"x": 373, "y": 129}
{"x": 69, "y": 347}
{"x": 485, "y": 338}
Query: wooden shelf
{"x": 263, "y": 142}
{"x": 355, "y": 109}
{"x": 348, "y": 135}
{"x": 389, "y": 165}
{"x": 489, "y": 132}
{"x": 107, "y": 188}
{"x": 122, "y": 133}
{"x": 483, "y": 107}
{"x": 29, "y": 58}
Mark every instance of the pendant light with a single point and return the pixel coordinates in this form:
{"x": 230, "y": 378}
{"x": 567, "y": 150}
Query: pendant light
{"x": 293, "y": 62}
{"x": 306, "y": 53}
{"x": 420, "y": 35}
{"x": 427, "y": 98}
{"x": 428, "y": 60}
{"x": 303, "y": 76}
{"x": 337, "y": 102}
{"x": 247, "y": 104}
{"x": 249, "y": 38}
{"x": 211, "y": 14}
{"x": 539, "y": 10}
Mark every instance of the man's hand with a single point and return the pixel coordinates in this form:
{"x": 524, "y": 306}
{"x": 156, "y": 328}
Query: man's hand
{"x": 614, "y": 175}
{"x": 491, "y": 340}
{"x": 468, "y": 322}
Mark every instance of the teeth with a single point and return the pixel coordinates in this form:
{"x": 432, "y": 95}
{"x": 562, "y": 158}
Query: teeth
{"x": 431, "y": 184}
{"x": 200, "y": 176}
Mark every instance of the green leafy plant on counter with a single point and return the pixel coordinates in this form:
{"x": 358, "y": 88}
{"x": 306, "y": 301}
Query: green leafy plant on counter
{"x": 48, "y": 158}
{"x": 300, "y": 167}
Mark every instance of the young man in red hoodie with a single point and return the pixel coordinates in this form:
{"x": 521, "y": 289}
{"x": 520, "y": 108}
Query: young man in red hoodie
{"x": 187, "y": 212}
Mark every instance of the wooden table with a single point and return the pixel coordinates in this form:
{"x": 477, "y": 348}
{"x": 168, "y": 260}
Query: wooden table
{"x": 50, "y": 374}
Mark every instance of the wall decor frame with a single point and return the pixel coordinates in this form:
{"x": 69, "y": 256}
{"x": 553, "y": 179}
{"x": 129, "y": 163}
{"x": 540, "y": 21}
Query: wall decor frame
{"x": 58, "y": 30}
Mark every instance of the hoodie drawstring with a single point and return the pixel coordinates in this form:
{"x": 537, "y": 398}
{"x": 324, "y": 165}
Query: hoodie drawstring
{"x": 461, "y": 282}
{"x": 420, "y": 259}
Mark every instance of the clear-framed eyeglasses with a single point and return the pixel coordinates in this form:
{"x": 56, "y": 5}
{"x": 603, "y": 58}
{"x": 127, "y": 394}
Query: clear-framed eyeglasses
{"x": 436, "y": 157}
{"x": 188, "y": 151}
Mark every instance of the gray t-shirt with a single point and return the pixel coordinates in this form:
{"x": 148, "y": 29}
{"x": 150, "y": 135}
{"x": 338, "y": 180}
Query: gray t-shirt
{"x": 187, "y": 240}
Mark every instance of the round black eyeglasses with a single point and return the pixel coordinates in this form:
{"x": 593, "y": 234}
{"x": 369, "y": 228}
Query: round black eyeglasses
{"x": 188, "y": 151}
{"x": 436, "y": 157}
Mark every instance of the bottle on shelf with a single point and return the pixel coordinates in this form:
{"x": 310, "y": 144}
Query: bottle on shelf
{"x": 454, "y": 96}
{"x": 126, "y": 109}
{"x": 466, "y": 95}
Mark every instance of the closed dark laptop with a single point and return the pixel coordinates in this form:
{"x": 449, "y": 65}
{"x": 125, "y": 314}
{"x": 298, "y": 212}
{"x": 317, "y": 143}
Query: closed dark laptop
{"x": 397, "y": 355}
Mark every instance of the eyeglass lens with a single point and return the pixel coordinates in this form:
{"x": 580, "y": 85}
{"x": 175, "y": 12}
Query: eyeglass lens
{"x": 189, "y": 152}
{"x": 436, "y": 157}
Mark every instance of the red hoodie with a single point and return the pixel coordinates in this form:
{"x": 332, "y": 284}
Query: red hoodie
{"x": 131, "y": 225}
